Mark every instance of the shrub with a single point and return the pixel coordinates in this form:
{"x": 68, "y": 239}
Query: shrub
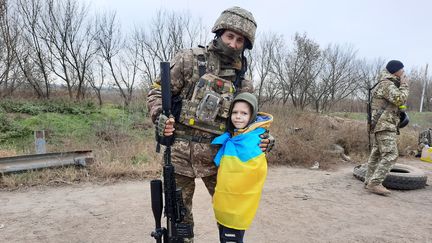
{"x": 11, "y": 130}
{"x": 54, "y": 106}
{"x": 303, "y": 138}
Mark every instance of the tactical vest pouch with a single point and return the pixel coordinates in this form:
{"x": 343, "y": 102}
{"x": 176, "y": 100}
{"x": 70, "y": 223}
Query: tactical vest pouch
{"x": 208, "y": 108}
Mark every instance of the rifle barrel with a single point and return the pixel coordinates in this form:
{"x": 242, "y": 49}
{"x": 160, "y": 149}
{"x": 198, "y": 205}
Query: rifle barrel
{"x": 166, "y": 90}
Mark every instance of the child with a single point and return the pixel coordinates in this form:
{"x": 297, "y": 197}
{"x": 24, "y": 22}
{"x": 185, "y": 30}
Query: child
{"x": 242, "y": 168}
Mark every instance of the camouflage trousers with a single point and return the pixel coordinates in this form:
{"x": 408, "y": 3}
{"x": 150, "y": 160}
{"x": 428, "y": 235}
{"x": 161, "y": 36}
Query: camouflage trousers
{"x": 383, "y": 156}
{"x": 193, "y": 160}
{"x": 188, "y": 188}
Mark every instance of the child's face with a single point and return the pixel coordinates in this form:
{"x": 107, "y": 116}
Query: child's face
{"x": 241, "y": 114}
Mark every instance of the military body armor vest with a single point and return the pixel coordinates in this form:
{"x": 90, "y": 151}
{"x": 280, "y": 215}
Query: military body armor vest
{"x": 206, "y": 100}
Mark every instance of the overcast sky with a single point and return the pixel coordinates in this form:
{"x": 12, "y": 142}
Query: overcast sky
{"x": 390, "y": 29}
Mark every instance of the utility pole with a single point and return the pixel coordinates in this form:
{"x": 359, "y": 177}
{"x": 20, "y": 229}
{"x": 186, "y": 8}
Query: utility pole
{"x": 424, "y": 88}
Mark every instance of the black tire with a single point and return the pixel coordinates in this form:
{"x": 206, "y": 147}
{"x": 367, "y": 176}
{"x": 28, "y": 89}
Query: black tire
{"x": 401, "y": 177}
{"x": 360, "y": 172}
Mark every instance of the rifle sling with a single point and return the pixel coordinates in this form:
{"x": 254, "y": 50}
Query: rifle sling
{"x": 377, "y": 116}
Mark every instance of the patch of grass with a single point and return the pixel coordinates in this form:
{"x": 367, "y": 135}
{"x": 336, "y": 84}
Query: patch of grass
{"x": 123, "y": 144}
{"x": 358, "y": 116}
{"x": 422, "y": 119}
{"x": 52, "y": 176}
{"x": 59, "y": 126}
{"x": 57, "y": 106}
{"x": 141, "y": 158}
{"x": 121, "y": 141}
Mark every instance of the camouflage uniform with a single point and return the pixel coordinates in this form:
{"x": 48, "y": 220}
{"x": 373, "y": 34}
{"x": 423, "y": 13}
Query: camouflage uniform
{"x": 192, "y": 155}
{"x": 387, "y": 96}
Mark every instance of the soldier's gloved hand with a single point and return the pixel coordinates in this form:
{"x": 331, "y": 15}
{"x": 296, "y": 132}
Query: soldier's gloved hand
{"x": 165, "y": 126}
{"x": 267, "y": 142}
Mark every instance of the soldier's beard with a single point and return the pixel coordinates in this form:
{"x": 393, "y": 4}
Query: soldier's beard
{"x": 226, "y": 53}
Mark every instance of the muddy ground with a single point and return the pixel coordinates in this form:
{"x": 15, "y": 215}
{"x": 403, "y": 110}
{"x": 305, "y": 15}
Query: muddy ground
{"x": 298, "y": 205}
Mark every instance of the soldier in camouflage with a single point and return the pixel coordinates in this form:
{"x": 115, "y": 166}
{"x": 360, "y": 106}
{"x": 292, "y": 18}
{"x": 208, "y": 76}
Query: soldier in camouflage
{"x": 388, "y": 96}
{"x": 425, "y": 138}
{"x": 221, "y": 65}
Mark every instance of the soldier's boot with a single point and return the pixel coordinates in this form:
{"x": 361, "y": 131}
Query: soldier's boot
{"x": 378, "y": 189}
{"x": 365, "y": 184}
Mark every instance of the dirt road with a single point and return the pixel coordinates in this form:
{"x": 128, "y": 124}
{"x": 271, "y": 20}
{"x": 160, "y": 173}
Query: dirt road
{"x": 298, "y": 205}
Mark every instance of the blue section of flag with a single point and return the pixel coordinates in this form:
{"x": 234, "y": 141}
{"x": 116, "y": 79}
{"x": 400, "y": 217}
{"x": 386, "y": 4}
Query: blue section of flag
{"x": 243, "y": 146}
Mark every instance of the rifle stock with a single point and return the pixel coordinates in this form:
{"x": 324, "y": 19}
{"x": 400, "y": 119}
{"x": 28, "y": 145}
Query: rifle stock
{"x": 157, "y": 203}
{"x": 176, "y": 229}
{"x": 370, "y": 123}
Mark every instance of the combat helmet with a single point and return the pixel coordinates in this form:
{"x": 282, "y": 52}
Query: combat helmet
{"x": 239, "y": 20}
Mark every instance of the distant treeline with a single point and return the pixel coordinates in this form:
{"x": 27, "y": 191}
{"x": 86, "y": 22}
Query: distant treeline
{"x": 47, "y": 42}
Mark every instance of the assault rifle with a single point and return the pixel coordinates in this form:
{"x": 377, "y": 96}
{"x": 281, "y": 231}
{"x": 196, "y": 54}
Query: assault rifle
{"x": 174, "y": 209}
{"x": 369, "y": 117}
{"x": 372, "y": 121}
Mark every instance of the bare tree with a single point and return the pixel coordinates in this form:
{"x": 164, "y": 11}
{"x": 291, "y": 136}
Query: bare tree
{"x": 112, "y": 48}
{"x": 55, "y": 39}
{"x": 280, "y": 67}
{"x": 300, "y": 69}
{"x": 32, "y": 56}
{"x": 128, "y": 70}
{"x": 166, "y": 35}
{"x": 339, "y": 77}
{"x": 71, "y": 39}
{"x": 96, "y": 78}
{"x": 9, "y": 35}
{"x": 418, "y": 80}
{"x": 369, "y": 74}
{"x": 263, "y": 56}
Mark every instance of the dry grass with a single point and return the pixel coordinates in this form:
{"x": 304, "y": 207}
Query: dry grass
{"x": 7, "y": 152}
{"x": 302, "y": 138}
{"x": 57, "y": 176}
{"x": 126, "y": 160}
{"x": 407, "y": 141}
{"x": 112, "y": 162}
{"x": 119, "y": 153}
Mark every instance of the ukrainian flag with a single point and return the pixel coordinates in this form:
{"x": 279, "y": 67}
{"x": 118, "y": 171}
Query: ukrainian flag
{"x": 241, "y": 175}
